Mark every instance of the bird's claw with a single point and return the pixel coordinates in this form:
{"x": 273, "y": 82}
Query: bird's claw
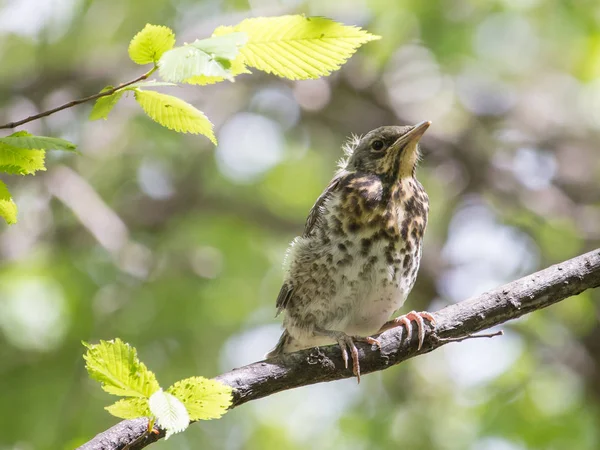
{"x": 347, "y": 343}
{"x": 418, "y": 317}
{"x": 371, "y": 341}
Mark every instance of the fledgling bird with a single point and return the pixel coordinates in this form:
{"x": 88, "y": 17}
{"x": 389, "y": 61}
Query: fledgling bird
{"x": 359, "y": 255}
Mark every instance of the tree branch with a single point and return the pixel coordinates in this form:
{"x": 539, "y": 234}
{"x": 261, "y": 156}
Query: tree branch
{"x": 77, "y": 102}
{"x": 455, "y": 322}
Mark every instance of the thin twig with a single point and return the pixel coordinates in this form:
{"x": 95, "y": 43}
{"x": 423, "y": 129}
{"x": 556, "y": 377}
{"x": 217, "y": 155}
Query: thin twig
{"x": 78, "y": 102}
{"x": 472, "y": 336}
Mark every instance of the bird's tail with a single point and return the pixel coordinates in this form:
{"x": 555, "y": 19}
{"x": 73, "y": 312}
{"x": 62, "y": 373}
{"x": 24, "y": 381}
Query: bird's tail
{"x": 284, "y": 340}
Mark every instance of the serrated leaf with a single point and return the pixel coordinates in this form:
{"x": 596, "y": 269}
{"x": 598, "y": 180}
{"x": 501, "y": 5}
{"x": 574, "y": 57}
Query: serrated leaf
{"x": 116, "y": 366}
{"x": 149, "y": 44}
{"x": 237, "y": 68}
{"x": 237, "y": 64}
{"x": 21, "y": 161}
{"x": 187, "y": 61}
{"x": 174, "y": 113}
{"x": 130, "y": 408}
{"x": 224, "y": 46}
{"x": 298, "y": 47}
{"x": 203, "y": 398}
{"x": 104, "y": 105}
{"x": 22, "y": 139}
{"x": 170, "y": 413}
{"x": 8, "y": 208}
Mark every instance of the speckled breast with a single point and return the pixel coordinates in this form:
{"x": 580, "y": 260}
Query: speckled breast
{"x": 374, "y": 235}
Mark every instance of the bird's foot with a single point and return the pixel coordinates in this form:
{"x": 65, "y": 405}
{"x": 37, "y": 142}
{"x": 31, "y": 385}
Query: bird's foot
{"x": 347, "y": 345}
{"x": 405, "y": 321}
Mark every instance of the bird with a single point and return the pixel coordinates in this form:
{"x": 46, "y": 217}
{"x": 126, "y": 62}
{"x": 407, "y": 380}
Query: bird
{"x": 358, "y": 257}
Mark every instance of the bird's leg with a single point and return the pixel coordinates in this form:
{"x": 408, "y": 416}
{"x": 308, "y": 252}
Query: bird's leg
{"x": 404, "y": 321}
{"x": 346, "y": 344}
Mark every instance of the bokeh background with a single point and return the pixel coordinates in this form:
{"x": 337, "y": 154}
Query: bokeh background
{"x": 176, "y": 246}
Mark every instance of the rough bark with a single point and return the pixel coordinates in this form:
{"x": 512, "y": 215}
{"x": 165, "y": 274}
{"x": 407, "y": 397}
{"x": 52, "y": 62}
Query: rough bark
{"x": 455, "y": 322}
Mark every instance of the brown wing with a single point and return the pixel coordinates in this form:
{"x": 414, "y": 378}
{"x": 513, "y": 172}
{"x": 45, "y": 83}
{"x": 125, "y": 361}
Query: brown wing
{"x": 317, "y": 209}
{"x": 284, "y": 297}
{"x": 287, "y": 290}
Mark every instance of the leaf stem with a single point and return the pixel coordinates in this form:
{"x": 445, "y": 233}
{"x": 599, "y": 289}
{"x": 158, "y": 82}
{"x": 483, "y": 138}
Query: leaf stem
{"x": 78, "y": 102}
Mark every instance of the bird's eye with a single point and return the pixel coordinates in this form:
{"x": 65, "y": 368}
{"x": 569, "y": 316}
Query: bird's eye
{"x": 377, "y": 145}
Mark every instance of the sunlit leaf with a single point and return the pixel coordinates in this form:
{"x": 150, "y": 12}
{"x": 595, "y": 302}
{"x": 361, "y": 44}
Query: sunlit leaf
{"x": 204, "y": 398}
{"x": 237, "y": 68}
{"x": 298, "y": 47}
{"x": 22, "y": 139}
{"x": 237, "y": 63}
{"x": 174, "y": 113}
{"x": 170, "y": 413}
{"x": 225, "y": 46}
{"x": 8, "y": 208}
{"x": 21, "y": 161}
{"x": 105, "y": 104}
{"x": 210, "y": 57}
{"x": 184, "y": 62}
{"x": 130, "y": 408}
{"x": 149, "y": 44}
{"x": 116, "y": 366}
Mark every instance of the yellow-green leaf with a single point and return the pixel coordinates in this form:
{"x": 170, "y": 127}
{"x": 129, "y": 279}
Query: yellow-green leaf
{"x": 105, "y": 104}
{"x": 8, "y": 208}
{"x": 149, "y": 44}
{"x": 184, "y": 62}
{"x": 130, "y": 408}
{"x": 174, "y": 113}
{"x": 23, "y": 139}
{"x": 203, "y": 398}
{"x": 298, "y": 47}
{"x": 21, "y": 161}
{"x": 225, "y": 46}
{"x": 171, "y": 415}
{"x": 237, "y": 68}
{"x": 204, "y": 60}
{"x": 116, "y": 366}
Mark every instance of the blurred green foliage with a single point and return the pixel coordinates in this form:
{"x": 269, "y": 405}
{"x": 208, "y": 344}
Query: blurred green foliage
{"x": 176, "y": 247}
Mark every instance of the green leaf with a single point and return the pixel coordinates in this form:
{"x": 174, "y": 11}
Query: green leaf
{"x": 204, "y": 399}
{"x": 8, "y": 208}
{"x": 21, "y": 161}
{"x": 204, "y": 57}
{"x": 237, "y": 68}
{"x": 237, "y": 64}
{"x": 149, "y": 44}
{"x": 130, "y": 408}
{"x": 22, "y": 139}
{"x": 104, "y": 105}
{"x": 170, "y": 413}
{"x": 185, "y": 62}
{"x": 116, "y": 366}
{"x": 174, "y": 113}
{"x": 226, "y": 46}
{"x": 298, "y": 47}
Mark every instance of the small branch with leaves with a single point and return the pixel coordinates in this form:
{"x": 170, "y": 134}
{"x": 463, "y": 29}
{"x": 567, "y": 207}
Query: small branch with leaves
{"x": 105, "y": 92}
{"x": 292, "y": 47}
{"x": 454, "y": 323}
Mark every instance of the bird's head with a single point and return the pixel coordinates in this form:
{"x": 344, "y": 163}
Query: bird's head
{"x": 390, "y": 151}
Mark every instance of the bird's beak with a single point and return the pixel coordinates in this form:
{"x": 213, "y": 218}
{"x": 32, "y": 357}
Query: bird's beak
{"x": 408, "y": 149}
{"x": 413, "y": 136}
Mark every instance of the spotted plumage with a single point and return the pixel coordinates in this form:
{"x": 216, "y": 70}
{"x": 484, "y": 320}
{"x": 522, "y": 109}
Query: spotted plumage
{"x": 358, "y": 257}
